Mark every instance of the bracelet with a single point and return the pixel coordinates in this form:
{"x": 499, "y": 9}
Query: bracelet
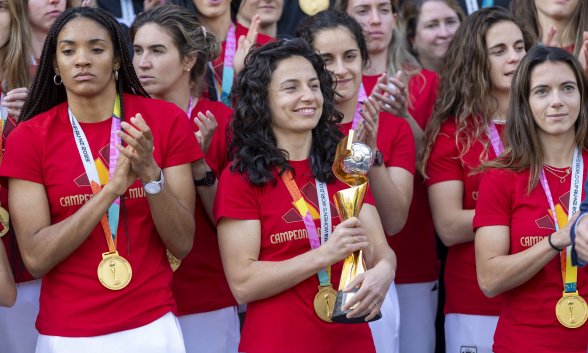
{"x": 551, "y": 244}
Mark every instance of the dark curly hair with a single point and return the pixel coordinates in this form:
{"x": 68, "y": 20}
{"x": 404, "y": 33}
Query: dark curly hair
{"x": 253, "y": 145}
{"x": 44, "y": 94}
{"x": 310, "y": 27}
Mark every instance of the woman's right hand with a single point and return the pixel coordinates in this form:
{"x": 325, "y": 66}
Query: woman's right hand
{"x": 15, "y": 100}
{"x": 348, "y": 237}
{"x": 123, "y": 176}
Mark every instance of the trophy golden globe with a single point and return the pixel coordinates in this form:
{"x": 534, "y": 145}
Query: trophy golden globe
{"x": 352, "y": 163}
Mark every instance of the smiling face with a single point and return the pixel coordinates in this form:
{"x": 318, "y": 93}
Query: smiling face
{"x": 505, "y": 47}
{"x": 42, "y": 13}
{"x": 85, "y": 58}
{"x": 377, "y": 20}
{"x": 295, "y": 97}
{"x": 157, "y": 61}
{"x": 554, "y": 99}
{"x": 339, "y": 50}
{"x": 435, "y": 27}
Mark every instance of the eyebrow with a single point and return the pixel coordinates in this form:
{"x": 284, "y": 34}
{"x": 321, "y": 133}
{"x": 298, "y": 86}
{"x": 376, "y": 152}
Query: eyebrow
{"x": 294, "y": 80}
{"x": 503, "y": 45}
{"x": 91, "y": 41}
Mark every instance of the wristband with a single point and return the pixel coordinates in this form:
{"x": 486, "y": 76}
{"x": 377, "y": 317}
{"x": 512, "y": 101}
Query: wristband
{"x": 575, "y": 260}
{"x": 551, "y": 244}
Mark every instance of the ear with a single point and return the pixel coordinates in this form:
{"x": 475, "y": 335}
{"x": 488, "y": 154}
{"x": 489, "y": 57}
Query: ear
{"x": 116, "y": 63}
{"x": 55, "y": 67}
{"x": 189, "y": 61}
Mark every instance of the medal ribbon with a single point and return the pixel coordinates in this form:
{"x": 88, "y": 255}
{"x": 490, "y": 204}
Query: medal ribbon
{"x": 361, "y": 97}
{"x": 568, "y": 271}
{"x": 495, "y": 140}
{"x": 190, "y": 108}
{"x": 302, "y": 208}
{"x": 228, "y": 71}
{"x": 110, "y": 223}
{"x": 3, "y": 120}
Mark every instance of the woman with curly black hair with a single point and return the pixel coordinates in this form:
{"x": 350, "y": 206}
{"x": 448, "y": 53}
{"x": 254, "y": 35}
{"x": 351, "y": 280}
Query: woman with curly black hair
{"x": 283, "y": 147}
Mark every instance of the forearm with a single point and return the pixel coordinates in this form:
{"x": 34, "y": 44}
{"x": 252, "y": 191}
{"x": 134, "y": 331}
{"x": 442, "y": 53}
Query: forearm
{"x": 7, "y": 286}
{"x": 205, "y": 193}
{"x": 455, "y": 227}
{"x": 392, "y": 203}
{"x": 263, "y": 279}
{"x": 499, "y": 274}
{"x": 50, "y": 245}
{"x": 174, "y": 222}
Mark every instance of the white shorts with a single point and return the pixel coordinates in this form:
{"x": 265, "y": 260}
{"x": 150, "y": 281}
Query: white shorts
{"x": 17, "y": 324}
{"x": 161, "y": 336}
{"x": 469, "y": 333}
{"x": 385, "y": 332}
{"x": 212, "y": 332}
{"x": 418, "y": 309}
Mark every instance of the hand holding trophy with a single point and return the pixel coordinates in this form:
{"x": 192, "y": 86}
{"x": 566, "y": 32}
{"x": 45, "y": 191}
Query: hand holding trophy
{"x": 352, "y": 163}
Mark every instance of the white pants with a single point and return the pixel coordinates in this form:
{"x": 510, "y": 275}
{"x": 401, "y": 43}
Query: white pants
{"x": 17, "y": 324}
{"x": 469, "y": 333}
{"x": 212, "y": 332}
{"x": 385, "y": 332}
{"x": 161, "y": 336}
{"x": 418, "y": 309}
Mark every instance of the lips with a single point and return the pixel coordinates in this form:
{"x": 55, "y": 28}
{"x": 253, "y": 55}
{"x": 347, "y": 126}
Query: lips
{"x": 54, "y": 13}
{"x": 83, "y": 76}
{"x": 306, "y": 110}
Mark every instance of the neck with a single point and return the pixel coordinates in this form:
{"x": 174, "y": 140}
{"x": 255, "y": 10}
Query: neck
{"x": 296, "y": 144}
{"x": 219, "y": 26}
{"x": 560, "y": 26}
{"x": 558, "y": 151}
{"x": 269, "y": 29}
{"x": 347, "y": 108}
{"x": 37, "y": 42}
{"x": 501, "y": 112}
{"x": 180, "y": 96}
{"x": 378, "y": 63}
{"x": 93, "y": 109}
{"x": 432, "y": 64}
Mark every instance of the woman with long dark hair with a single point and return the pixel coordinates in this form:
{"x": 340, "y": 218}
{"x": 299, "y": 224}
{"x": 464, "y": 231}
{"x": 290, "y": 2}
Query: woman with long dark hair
{"x": 283, "y": 148}
{"x": 100, "y": 186}
{"x": 525, "y": 200}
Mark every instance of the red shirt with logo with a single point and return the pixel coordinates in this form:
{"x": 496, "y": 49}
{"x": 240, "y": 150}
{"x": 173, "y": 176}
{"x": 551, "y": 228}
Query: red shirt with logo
{"x": 447, "y": 162}
{"x": 73, "y": 302}
{"x": 528, "y": 322}
{"x": 200, "y": 284}
{"x": 422, "y": 265}
{"x": 286, "y": 322}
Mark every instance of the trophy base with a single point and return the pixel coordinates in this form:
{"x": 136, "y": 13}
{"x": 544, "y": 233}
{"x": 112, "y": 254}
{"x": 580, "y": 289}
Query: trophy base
{"x": 340, "y": 315}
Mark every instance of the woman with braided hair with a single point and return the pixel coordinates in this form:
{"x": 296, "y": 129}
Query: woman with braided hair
{"x": 92, "y": 162}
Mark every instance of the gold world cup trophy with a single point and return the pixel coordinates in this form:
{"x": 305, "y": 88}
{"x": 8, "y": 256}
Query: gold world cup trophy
{"x": 352, "y": 163}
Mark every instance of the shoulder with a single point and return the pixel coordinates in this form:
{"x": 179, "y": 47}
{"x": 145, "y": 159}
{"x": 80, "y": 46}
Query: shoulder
{"x": 41, "y": 122}
{"x": 220, "y": 111}
{"x": 424, "y": 81}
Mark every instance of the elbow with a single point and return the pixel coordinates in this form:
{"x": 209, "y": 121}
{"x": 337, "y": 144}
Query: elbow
{"x": 444, "y": 235}
{"x": 241, "y": 295}
{"x": 392, "y": 228}
{"x": 488, "y": 285}
{"x": 8, "y": 299}
{"x": 35, "y": 265}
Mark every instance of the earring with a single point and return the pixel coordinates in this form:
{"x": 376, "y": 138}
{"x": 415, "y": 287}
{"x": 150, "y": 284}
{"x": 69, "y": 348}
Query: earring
{"x": 55, "y": 78}
{"x": 116, "y": 75}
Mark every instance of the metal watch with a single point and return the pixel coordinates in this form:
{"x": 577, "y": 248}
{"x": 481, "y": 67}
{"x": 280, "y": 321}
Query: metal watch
{"x": 208, "y": 179}
{"x": 154, "y": 187}
{"x": 378, "y": 159}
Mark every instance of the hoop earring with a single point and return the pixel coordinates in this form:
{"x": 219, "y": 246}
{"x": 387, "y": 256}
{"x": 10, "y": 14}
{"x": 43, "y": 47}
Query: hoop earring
{"x": 116, "y": 75}
{"x": 55, "y": 80}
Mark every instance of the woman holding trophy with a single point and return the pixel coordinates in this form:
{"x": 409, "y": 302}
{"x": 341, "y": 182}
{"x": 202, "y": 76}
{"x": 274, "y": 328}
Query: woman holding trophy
{"x": 274, "y": 198}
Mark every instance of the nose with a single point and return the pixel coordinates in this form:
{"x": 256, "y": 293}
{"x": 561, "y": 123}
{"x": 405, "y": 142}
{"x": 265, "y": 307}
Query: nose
{"x": 307, "y": 94}
{"x": 53, "y": 2}
{"x": 444, "y": 31}
{"x": 515, "y": 56}
{"x": 556, "y": 101}
{"x": 374, "y": 16}
{"x": 82, "y": 58}
{"x": 143, "y": 60}
{"x": 339, "y": 68}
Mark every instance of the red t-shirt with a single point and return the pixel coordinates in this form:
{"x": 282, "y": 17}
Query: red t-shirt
{"x": 463, "y": 295}
{"x": 202, "y": 270}
{"x": 219, "y": 62}
{"x": 14, "y": 258}
{"x": 73, "y": 303}
{"x": 528, "y": 322}
{"x": 286, "y": 322}
{"x": 415, "y": 245}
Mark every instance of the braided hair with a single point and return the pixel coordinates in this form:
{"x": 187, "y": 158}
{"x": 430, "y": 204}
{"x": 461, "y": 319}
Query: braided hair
{"x": 44, "y": 94}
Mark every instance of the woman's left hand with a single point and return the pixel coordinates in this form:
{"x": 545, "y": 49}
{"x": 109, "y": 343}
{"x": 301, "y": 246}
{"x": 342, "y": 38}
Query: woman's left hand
{"x": 374, "y": 285}
{"x": 139, "y": 149}
{"x": 367, "y": 131}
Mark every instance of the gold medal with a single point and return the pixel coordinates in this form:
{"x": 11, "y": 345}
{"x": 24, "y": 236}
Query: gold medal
{"x": 174, "y": 262}
{"x": 571, "y": 310}
{"x": 4, "y": 224}
{"x": 312, "y": 7}
{"x": 324, "y": 302}
{"x": 114, "y": 272}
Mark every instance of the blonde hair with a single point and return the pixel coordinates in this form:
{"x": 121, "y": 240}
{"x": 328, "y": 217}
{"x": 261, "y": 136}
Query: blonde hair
{"x": 16, "y": 67}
